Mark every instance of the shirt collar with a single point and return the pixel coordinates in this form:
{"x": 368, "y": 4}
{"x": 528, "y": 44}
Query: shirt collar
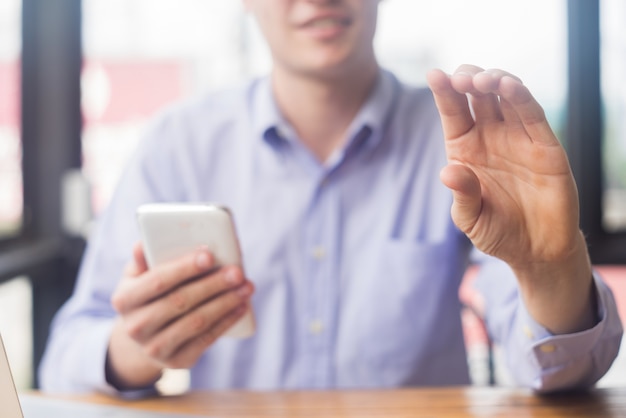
{"x": 269, "y": 124}
{"x": 267, "y": 120}
{"x": 374, "y": 115}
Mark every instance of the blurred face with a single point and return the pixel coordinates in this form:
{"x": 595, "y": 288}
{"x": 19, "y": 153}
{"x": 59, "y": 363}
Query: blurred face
{"x": 318, "y": 37}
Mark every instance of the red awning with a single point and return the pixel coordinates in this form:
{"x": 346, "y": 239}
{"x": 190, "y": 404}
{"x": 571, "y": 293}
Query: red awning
{"x": 118, "y": 91}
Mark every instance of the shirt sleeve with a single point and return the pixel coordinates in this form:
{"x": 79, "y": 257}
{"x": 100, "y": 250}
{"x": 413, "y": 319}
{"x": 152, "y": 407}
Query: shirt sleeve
{"x": 78, "y": 365}
{"x": 536, "y": 358}
{"x": 75, "y": 356}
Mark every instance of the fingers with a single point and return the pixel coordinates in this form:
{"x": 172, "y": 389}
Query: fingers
{"x": 516, "y": 105}
{"x": 160, "y": 280}
{"x": 139, "y": 257}
{"x": 494, "y": 96}
{"x": 147, "y": 320}
{"x": 188, "y": 354}
{"x": 138, "y": 264}
{"x": 466, "y": 191}
{"x": 451, "y": 96}
{"x": 468, "y": 79}
{"x": 199, "y": 328}
{"x": 456, "y": 117}
{"x": 188, "y": 302}
{"x": 526, "y": 110}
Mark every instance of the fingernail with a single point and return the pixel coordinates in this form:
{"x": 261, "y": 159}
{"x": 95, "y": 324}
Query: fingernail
{"x": 203, "y": 261}
{"x": 244, "y": 290}
{"x": 514, "y": 79}
{"x": 231, "y": 276}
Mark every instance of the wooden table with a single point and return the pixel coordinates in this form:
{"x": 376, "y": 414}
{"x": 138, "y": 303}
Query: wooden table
{"x": 420, "y": 403}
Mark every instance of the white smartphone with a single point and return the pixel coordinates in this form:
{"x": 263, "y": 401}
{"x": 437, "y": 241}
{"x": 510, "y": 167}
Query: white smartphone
{"x": 171, "y": 230}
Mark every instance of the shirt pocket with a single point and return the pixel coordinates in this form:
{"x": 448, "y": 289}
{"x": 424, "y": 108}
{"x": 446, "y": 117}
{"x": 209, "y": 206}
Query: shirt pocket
{"x": 406, "y": 318}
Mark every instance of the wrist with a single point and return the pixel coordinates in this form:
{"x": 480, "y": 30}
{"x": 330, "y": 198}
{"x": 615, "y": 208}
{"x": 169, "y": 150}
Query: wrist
{"x": 127, "y": 367}
{"x": 560, "y": 294}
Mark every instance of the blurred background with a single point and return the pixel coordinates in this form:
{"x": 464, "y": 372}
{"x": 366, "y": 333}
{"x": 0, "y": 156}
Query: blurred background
{"x": 79, "y": 80}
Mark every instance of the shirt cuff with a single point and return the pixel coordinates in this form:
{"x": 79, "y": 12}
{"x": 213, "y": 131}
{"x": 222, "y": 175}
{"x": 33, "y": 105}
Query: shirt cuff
{"x": 92, "y": 362}
{"x": 570, "y": 354}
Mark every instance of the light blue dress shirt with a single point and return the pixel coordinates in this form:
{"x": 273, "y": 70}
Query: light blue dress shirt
{"x": 356, "y": 261}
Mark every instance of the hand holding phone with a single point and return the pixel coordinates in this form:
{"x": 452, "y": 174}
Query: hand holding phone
{"x": 171, "y": 230}
{"x": 170, "y": 314}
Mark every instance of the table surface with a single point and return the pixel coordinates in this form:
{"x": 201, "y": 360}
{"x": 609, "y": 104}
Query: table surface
{"x": 455, "y": 402}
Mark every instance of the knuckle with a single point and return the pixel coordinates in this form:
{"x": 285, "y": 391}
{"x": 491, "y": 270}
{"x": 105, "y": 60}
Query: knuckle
{"x": 197, "y": 322}
{"x": 155, "y": 350}
{"x": 233, "y": 300}
{"x": 178, "y": 363}
{"x": 207, "y": 338}
{"x": 173, "y": 364}
{"x": 134, "y": 329}
{"x": 159, "y": 284}
{"x": 238, "y": 295}
{"x": 177, "y": 301}
{"x": 225, "y": 303}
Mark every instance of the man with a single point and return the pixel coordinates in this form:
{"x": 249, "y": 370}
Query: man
{"x": 330, "y": 167}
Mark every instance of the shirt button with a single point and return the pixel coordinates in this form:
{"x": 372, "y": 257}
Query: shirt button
{"x": 316, "y": 327}
{"x": 318, "y": 253}
{"x": 528, "y": 332}
{"x": 547, "y": 348}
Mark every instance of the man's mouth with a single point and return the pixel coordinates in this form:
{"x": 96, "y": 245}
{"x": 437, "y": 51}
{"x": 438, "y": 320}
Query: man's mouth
{"x": 328, "y": 22}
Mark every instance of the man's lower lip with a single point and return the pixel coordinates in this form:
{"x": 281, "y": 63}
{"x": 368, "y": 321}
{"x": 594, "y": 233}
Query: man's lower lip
{"x": 324, "y": 32}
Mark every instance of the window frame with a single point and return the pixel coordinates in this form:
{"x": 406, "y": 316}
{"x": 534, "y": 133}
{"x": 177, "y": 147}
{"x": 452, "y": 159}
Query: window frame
{"x": 50, "y": 136}
{"x": 585, "y": 130}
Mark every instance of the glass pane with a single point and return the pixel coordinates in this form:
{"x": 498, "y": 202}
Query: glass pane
{"x": 15, "y": 327}
{"x": 415, "y": 36}
{"x": 11, "y": 201}
{"x": 142, "y": 54}
{"x": 613, "y": 67}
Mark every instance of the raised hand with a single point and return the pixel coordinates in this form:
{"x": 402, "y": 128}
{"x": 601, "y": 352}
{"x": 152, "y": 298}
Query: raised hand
{"x": 514, "y": 193}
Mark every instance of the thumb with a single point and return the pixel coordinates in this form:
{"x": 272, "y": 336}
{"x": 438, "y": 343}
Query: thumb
{"x": 138, "y": 264}
{"x": 466, "y": 193}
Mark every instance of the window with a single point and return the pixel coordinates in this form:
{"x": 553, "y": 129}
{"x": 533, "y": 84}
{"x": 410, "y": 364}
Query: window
{"x": 613, "y": 68}
{"x": 15, "y": 300}
{"x": 15, "y": 326}
{"x": 165, "y": 50}
{"x": 595, "y": 139}
{"x": 11, "y": 196}
{"x": 38, "y": 259}
{"x": 415, "y": 36}
{"x": 141, "y": 55}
